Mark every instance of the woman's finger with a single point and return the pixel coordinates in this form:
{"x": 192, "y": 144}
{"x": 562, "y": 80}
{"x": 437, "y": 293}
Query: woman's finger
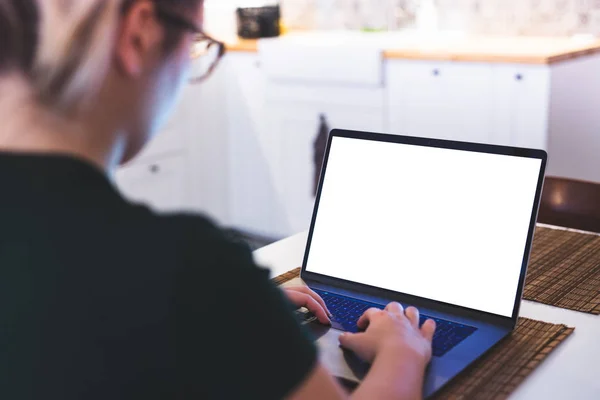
{"x": 413, "y": 316}
{"x": 395, "y": 308}
{"x": 428, "y": 329}
{"x": 365, "y": 319}
{"x": 311, "y": 293}
{"x": 304, "y": 300}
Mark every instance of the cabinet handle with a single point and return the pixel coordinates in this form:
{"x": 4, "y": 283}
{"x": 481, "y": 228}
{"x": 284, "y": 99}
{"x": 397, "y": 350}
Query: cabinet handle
{"x": 436, "y": 72}
{"x": 155, "y": 169}
{"x": 519, "y": 77}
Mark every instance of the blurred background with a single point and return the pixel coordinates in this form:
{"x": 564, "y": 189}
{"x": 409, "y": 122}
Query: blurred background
{"x": 244, "y": 146}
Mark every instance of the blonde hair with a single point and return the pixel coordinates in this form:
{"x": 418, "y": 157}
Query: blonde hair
{"x": 75, "y": 43}
{"x": 64, "y": 47}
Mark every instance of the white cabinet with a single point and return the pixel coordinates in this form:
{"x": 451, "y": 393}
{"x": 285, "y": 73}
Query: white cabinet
{"x": 304, "y": 78}
{"x": 158, "y": 183}
{"x": 273, "y": 122}
{"x": 240, "y": 145}
{"x": 253, "y": 193}
{"x": 293, "y": 115}
{"x": 476, "y": 102}
{"x": 202, "y": 118}
{"x": 273, "y": 119}
{"x": 441, "y": 100}
{"x": 574, "y": 128}
{"x": 521, "y": 99}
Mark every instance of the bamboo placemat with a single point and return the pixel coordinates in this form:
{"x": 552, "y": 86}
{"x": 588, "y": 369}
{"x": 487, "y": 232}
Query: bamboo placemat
{"x": 564, "y": 270}
{"x": 288, "y": 276}
{"x": 500, "y": 371}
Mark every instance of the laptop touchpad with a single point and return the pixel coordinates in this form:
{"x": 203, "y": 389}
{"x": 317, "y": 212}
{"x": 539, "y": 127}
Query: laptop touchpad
{"x": 341, "y": 363}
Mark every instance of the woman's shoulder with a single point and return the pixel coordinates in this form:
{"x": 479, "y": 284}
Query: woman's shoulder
{"x": 169, "y": 223}
{"x": 189, "y": 237}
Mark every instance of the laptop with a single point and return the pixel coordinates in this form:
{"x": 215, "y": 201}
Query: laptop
{"x": 441, "y": 225}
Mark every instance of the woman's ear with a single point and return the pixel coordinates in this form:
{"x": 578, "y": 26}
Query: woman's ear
{"x": 140, "y": 39}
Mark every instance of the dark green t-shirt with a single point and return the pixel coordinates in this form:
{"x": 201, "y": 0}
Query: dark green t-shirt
{"x": 101, "y": 299}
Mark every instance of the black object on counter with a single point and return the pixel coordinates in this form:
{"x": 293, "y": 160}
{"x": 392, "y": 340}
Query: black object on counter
{"x": 258, "y": 22}
{"x": 319, "y": 149}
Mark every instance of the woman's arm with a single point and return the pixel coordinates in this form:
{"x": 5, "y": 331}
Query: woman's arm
{"x": 319, "y": 384}
{"x": 387, "y": 379}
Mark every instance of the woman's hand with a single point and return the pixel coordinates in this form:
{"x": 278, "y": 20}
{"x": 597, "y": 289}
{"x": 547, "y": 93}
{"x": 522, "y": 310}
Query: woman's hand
{"x": 392, "y": 330}
{"x": 302, "y": 296}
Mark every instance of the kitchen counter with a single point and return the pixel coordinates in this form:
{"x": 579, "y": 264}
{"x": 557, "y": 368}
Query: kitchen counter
{"x": 517, "y": 50}
{"x": 243, "y": 45}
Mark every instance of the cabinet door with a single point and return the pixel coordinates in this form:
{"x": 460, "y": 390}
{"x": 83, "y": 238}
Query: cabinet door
{"x": 294, "y": 127}
{"x": 251, "y": 155}
{"x": 158, "y": 183}
{"x": 440, "y": 100}
{"x": 202, "y": 117}
{"x": 521, "y": 109}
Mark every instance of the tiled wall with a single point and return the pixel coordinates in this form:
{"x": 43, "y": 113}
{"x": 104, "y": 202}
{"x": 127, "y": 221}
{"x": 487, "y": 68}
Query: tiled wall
{"x": 348, "y": 14}
{"x": 503, "y": 17}
{"x": 521, "y": 17}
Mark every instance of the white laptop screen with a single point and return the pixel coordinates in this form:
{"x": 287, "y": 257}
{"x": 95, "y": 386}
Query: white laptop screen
{"x": 447, "y": 225}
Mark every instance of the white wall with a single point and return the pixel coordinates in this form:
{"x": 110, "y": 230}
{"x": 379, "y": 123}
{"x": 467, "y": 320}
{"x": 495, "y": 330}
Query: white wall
{"x": 574, "y": 137}
{"x": 503, "y": 17}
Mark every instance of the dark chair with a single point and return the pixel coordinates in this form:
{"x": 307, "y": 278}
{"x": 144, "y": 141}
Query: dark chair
{"x": 571, "y": 204}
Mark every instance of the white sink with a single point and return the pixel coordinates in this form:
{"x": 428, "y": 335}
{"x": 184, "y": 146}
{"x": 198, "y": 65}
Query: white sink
{"x": 338, "y": 58}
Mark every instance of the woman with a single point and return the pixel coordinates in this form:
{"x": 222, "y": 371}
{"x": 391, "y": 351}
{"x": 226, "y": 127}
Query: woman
{"x": 103, "y": 299}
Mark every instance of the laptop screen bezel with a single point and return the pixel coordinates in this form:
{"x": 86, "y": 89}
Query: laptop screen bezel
{"x": 444, "y": 144}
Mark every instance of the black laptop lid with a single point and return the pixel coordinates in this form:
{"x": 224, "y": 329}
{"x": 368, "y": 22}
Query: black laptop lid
{"x": 446, "y": 221}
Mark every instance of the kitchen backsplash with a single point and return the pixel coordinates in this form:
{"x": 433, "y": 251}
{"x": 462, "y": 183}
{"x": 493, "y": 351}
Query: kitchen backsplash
{"x": 502, "y": 17}
{"x": 348, "y": 14}
{"x": 521, "y": 17}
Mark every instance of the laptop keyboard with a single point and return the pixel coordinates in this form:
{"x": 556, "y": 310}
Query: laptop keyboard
{"x": 346, "y": 311}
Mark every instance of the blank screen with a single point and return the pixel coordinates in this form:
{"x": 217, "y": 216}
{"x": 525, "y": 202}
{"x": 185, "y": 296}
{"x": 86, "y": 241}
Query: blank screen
{"x": 447, "y": 225}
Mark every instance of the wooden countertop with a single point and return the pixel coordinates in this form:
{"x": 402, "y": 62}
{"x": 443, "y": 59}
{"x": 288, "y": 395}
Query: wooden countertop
{"x": 524, "y": 50}
{"x": 518, "y": 50}
{"x": 246, "y": 45}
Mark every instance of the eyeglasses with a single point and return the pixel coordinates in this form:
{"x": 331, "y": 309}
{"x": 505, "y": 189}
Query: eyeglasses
{"x": 206, "y": 51}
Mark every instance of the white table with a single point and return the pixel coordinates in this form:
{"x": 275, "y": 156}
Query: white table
{"x": 572, "y": 371}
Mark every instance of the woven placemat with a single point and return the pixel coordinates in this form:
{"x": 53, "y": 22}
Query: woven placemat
{"x": 503, "y": 369}
{"x": 288, "y": 276}
{"x": 500, "y": 371}
{"x": 564, "y": 270}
